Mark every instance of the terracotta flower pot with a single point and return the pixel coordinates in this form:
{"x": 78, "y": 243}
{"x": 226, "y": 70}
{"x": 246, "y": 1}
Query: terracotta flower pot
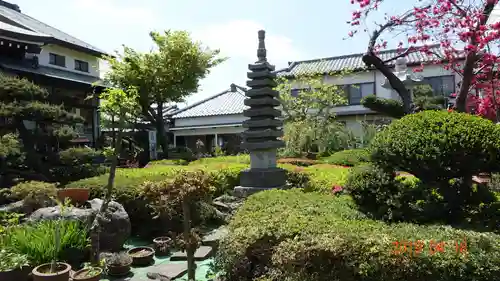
{"x": 118, "y": 270}
{"x": 83, "y": 274}
{"x": 76, "y": 195}
{"x": 141, "y": 256}
{"x": 42, "y": 272}
{"x": 162, "y": 245}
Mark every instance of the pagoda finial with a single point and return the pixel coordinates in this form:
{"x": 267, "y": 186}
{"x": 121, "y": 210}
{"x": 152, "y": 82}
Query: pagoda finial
{"x": 261, "y": 51}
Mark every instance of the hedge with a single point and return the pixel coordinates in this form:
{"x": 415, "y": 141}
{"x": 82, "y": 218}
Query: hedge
{"x": 349, "y": 157}
{"x": 291, "y": 235}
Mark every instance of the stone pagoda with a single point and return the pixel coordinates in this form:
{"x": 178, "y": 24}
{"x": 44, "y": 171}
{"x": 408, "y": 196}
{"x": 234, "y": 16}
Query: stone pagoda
{"x": 262, "y": 128}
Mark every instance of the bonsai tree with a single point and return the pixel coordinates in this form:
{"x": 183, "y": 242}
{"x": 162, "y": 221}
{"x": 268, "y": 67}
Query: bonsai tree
{"x": 114, "y": 102}
{"x": 31, "y": 115}
{"x": 185, "y": 189}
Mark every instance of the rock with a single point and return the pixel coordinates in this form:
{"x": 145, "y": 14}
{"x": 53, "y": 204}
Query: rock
{"x": 213, "y": 237}
{"x": 115, "y": 224}
{"x": 227, "y": 204}
{"x": 167, "y": 271}
{"x": 16, "y": 207}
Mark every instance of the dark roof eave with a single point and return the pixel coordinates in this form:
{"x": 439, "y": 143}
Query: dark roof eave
{"x": 28, "y": 37}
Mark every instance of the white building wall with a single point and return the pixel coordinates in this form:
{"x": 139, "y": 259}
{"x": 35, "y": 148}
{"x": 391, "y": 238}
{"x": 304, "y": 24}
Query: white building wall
{"x": 70, "y": 55}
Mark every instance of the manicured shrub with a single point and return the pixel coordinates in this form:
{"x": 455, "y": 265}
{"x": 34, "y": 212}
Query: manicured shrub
{"x": 291, "y": 235}
{"x": 79, "y": 155}
{"x": 349, "y": 157}
{"x": 439, "y": 145}
{"x": 302, "y": 162}
{"x": 78, "y": 163}
{"x": 176, "y": 162}
{"x": 35, "y": 194}
{"x": 240, "y": 159}
{"x": 128, "y": 191}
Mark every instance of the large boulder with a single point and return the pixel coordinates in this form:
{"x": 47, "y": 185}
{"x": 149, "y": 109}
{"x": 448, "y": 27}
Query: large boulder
{"x": 115, "y": 227}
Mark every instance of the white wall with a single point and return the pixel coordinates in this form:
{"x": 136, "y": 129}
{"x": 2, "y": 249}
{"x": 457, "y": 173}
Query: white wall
{"x": 210, "y": 120}
{"x": 70, "y": 55}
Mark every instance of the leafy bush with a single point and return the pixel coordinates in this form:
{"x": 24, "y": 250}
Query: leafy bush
{"x": 37, "y": 240}
{"x": 298, "y": 161}
{"x": 35, "y": 194}
{"x": 79, "y": 155}
{"x": 349, "y": 157}
{"x": 291, "y": 235}
{"x": 240, "y": 159}
{"x": 10, "y": 261}
{"x": 176, "y": 162}
{"x": 128, "y": 190}
{"x": 439, "y": 145}
{"x": 324, "y": 176}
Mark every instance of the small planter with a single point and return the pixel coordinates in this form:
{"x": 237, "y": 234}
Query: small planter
{"x": 141, "y": 256}
{"x": 88, "y": 274}
{"x": 42, "y": 272}
{"x": 76, "y": 195}
{"x": 20, "y": 274}
{"x": 162, "y": 245}
{"x": 118, "y": 270}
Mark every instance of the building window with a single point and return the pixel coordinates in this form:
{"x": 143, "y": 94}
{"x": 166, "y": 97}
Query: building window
{"x": 441, "y": 85}
{"x": 356, "y": 92}
{"x": 58, "y": 60}
{"x": 81, "y": 66}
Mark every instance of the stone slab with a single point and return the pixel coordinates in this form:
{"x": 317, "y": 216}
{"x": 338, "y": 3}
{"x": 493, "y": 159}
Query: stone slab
{"x": 264, "y": 111}
{"x": 262, "y": 92}
{"x": 169, "y": 270}
{"x": 201, "y": 253}
{"x": 261, "y": 66}
{"x": 262, "y": 101}
{"x": 264, "y": 145}
{"x": 266, "y": 82}
{"x": 213, "y": 237}
{"x": 266, "y": 73}
{"x": 262, "y": 133}
{"x": 263, "y": 123}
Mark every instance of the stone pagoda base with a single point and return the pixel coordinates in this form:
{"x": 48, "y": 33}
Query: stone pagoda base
{"x": 255, "y": 180}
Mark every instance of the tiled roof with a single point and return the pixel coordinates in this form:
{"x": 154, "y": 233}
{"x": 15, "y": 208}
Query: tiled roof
{"x": 352, "y": 62}
{"x": 225, "y": 103}
{"x": 41, "y": 29}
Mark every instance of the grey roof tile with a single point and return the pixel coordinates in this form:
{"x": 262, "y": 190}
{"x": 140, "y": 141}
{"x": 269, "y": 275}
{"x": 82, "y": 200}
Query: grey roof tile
{"x": 37, "y": 26}
{"x": 224, "y": 103}
{"x": 352, "y": 62}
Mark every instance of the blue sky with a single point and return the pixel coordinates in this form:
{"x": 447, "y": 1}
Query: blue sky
{"x": 296, "y": 29}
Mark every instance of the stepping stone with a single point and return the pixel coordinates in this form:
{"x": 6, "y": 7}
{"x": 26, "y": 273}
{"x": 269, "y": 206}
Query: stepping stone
{"x": 213, "y": 237}
{"x": 201, "y": 253}
{"x": 168, "y": 271}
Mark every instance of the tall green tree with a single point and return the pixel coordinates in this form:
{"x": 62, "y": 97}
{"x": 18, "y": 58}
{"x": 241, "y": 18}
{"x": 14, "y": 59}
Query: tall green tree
{"x": 167, "y": 74}
{"x": 307, "y": 104}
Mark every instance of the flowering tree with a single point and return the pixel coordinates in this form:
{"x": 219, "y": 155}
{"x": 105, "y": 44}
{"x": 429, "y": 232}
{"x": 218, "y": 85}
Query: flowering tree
{"x": 460, "y": 27}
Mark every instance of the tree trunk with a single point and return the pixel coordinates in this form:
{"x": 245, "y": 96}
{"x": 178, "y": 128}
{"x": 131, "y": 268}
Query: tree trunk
{"x": 188, "y": 240}
{"x": 370, "y": 60}
{"x": 162, "y": 133}
{"x": 96, "y": 228}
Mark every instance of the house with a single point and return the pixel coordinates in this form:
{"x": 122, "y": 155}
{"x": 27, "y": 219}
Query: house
{"x": 361, "y": 82}
{"x": 218, "y": 119}
{"x": 215, "y": 121}
{"x": 56, "y": 61}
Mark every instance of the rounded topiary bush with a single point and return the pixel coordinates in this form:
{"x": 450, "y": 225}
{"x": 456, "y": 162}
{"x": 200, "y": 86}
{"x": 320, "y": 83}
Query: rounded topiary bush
{"x": 438, "y": 145}
{"x": 348, "y": 157}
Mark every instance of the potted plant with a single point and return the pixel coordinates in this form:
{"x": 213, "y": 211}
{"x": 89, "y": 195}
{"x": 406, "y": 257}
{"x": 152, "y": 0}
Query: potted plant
{"x": 118, "y": 264}
{"x": 13, "y": 266}
{"x": 76, "y": 195}
{"x": 54, "y": 271}
{"x": 162, "y": 245}
{"x": 88, "y": 273}
{"x": 141, "y": 255}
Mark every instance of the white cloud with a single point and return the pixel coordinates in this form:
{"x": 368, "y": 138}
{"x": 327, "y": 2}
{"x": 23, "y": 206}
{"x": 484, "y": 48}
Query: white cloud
{"x": 238, "y": 39}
